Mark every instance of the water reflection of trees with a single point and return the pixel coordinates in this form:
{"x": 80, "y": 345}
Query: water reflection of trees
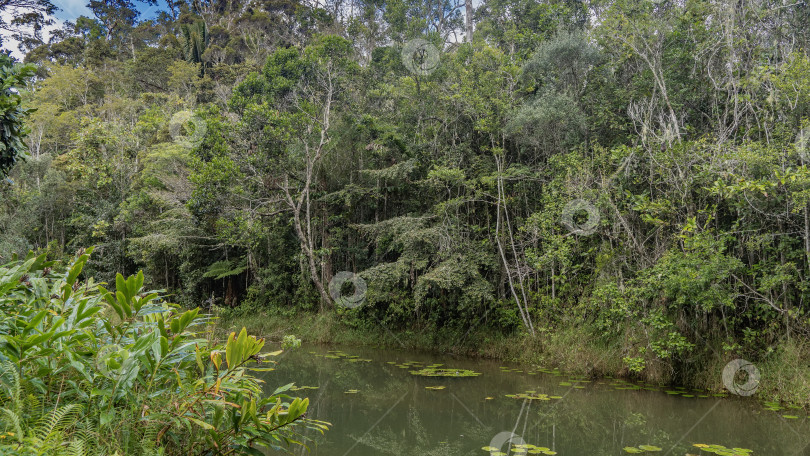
{"x": 389, "y": 441}
{"x": 603, "y": 421}
{"x": 393, "y": 413}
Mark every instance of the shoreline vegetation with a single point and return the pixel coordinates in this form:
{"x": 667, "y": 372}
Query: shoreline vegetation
{"x": 92, "y": 369}
{"x": 785, "y": 376}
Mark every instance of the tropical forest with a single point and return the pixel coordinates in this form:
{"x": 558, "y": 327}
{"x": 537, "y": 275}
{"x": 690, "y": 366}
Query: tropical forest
{"x": 404, "y": 227}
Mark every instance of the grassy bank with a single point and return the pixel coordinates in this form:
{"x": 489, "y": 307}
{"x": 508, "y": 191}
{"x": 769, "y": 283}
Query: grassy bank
{"x": 785, "y": 373}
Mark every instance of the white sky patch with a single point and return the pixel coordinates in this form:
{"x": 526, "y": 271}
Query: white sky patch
{"x": 11, "y": 44}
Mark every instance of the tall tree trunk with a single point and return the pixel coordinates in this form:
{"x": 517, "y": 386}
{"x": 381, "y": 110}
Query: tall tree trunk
{"x": 468, "y": 20}
{"x": 305, "y": 237}
{"x": 807, "y": 234}
{"x": 301, "y": 204}
{"x": 520, "y": 299}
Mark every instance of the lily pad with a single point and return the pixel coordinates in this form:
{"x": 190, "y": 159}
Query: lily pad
{"x": 723, "y": 451}
{"x": 520, "y": 449}
{"x": 530, "y": 395}
{"x": 642, "y": 449}
{"x": 445, "y": 372}
{"x": 299, "y": 388}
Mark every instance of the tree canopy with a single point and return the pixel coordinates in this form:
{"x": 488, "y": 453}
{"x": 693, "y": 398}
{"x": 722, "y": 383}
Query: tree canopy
{"x": 635, "y": 168}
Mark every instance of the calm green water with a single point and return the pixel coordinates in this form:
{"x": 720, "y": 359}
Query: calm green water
{"x": 392, "y": 413}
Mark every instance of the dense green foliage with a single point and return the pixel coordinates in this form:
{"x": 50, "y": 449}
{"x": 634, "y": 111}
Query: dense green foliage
{"x": 12, "y": 116}
{"x": 635, "y": 168}
{"x": 87, "y": 371}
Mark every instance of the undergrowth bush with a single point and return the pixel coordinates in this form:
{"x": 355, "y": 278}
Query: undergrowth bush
{"x": 89, "y": 371}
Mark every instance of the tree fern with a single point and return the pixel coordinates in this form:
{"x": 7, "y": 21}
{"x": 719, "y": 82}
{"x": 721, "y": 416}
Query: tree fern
{"x": 194, "y": 41}
{"x": 225, "y": 268}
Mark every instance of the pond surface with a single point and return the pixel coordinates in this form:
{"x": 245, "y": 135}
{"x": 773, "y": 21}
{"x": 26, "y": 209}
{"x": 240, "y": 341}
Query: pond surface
{"x": 377, "y": 407}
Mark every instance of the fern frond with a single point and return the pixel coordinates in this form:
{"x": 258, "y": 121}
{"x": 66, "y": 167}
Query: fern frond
{"x": 86, "y": 438}
{"x": 77, "y": 448}
{"x": 56, "y": 421}
{"x": 149, "y": 437}
{"x": 10, "y": 380}
{"x": 33, "y": 406}
{"x": 13, "y": 420}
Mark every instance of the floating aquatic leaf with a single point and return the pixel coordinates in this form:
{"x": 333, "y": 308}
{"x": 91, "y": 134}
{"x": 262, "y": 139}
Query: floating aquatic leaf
{"x": 723, "y": 451}
{"x": 642, "y": 449}
{"x": 532, "y": 396}
{"x": 519, "y": 449}
{"x": 299, "y": 388}
{"x": 445, "y": 372}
